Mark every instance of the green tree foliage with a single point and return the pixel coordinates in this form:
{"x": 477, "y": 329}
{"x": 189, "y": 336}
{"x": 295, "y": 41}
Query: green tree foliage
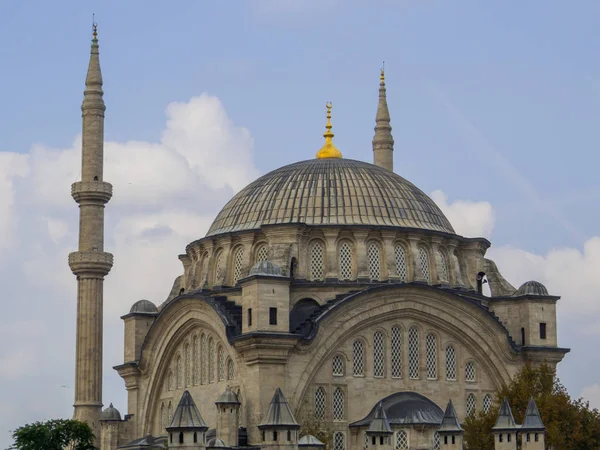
{"x": 57, "y": 434}
{"x": 323, "y": 431}
{"x": 570, "y": 424}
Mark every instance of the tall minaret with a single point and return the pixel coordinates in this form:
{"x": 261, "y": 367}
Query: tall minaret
{"x": 90, "y": 264}
{"x": 383, "y": 142}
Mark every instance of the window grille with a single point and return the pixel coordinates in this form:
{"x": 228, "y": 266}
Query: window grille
{"x": 401, "y": 440}
{"x": 401, "y": 265}
{"x": 424, "y": 263}
{"x": 238, "y": 260}
{"x": 211, "y": 360}
{"x": 437, "y": 443}
{"x": 338, "y": 404}
{"x": 179, "y": 372}
{"x": 487, "y": 403}
{"x": 345, "y": 261}
{"x": 230, "y": 370}
{"x": 196, "y": 360}
{"x": 366, "y": 442}
{"x": 413, "y": 353}
{"x": 219, "y": 267}
{"x": 443, "y": 266}
{"x": 316, "y": 260}
{"x": 431, "y": 357}
{"x": 470, "y": 374}
{"x": 450, "y": 363}
{"x": 339, "y": 441}
{"x": 337, "y": 366}
{"x": 221, "y": 354}
{"x": 203, "y": 360}
{"x": 358, "y": 358}
{"x": 188, "y": 364}
{"x": 262, "y": 254}
{"x": 374, "y": 258}
{"x": 396, "y": 352}
{"x": 471, "y": 404}
{"x": 320, "y": 403}
{"x": 378, "y": 355}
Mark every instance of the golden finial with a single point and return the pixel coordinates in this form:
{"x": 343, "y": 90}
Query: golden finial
{"x": 329, "y": 150}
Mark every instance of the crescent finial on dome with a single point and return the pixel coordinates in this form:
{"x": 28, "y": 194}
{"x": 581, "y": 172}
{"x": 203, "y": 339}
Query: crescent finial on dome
{"x": 329, "y": 150}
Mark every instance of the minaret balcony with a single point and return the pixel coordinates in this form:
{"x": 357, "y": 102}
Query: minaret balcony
{"x": 90, "y": 263}
{"x": 92, "y": 191}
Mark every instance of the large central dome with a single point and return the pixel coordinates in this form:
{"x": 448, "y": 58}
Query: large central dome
{"x": 330, "y": 191}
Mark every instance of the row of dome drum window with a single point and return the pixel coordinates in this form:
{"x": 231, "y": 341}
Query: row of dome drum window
{"x": 195, "y": 364}
{"x": 399, "y": 347}
{"x": 347, "y": 262}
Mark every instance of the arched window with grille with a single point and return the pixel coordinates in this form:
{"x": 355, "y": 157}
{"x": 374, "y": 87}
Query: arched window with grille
{"x": 470, "y": 372}
{"x": 219, "y": 266}
{"x": 365, "y": 441}
{"x": 262, "y": 254}
{"x": 437, "y": 443}
{"x": 337, "y": 366}
{"x": 378, "y": 354}
{"x": 179, "y": 372}
{"x": 487, "y": 403}
{"x": 413, "y": 353}
{"x": 396, "y": 352}
{"x": 424, "y": 263}
{"x": 450, "y": 363}
{"x": 443, "y": 275}
{"x": 317, "y": 260}
{"x": 204, "y": 359}
{"x": 320, "y": 403}
{"x": 230, "y": 370}
{"x": 221, "y": 358}
{"x": 374, "y": 261}
{"x": 346, "y": 265}
{"x": 196, "y": 360}
{"x": 339, "y": 440}
{"x": 401, "y": 264}
{"x": 358, "y": 358}
{"x": 238, "y": 261}
{"x": 188, "y": 364}
{"x": 338, "y": 404}
{"x": 211, "y": 360}
{"x": 401, "y": 441}
{"x": 431, "y": 356}
{"x": 471, "y": 404}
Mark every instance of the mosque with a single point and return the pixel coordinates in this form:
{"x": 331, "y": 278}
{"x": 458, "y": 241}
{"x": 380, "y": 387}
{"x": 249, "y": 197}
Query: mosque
{"x": 328, "y": 290}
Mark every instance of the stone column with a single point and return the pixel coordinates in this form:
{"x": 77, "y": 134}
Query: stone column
{"x": 413, "y": 258}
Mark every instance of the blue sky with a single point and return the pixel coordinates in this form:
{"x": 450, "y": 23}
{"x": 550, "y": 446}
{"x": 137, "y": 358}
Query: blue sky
{"x": 492, "y": 102}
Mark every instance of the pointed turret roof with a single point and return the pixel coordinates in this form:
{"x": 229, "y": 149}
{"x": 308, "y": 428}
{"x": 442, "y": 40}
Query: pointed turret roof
{"x": 380, "y": 423}
{"x": 533, "y": 420}
{"x": 279, "y": 414}
{"x": 383, "y": 130}
{"x": 187, "y": 415}
{"x": 505, "y": 420}
{"x": 450, "y": 423}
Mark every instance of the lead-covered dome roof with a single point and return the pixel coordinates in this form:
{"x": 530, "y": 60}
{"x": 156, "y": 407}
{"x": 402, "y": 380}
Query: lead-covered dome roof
{"x": 330, "y": 191}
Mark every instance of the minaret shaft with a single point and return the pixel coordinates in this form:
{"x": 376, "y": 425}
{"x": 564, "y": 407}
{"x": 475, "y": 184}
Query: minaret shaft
{"x": 90, "y": 264}
{"x": 383, "y": 142}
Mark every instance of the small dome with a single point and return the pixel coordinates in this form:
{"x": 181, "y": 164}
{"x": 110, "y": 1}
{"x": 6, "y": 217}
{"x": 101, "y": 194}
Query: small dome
{"x": 144, "y": 307}
{"x": 228, "y": 397}
{"x": 110, "y": 413}
{"x": 531, "y": 288}
{"x": 216, "y": 443}
{"x": 265, "y": 268}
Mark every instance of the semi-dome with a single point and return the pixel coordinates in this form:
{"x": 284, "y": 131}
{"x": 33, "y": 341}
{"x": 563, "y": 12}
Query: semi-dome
{"x": 110, "y": 413}
{"x": 330, "y": 191}
{"x": 143, "y": 306}
{"x": 531, "y": 288}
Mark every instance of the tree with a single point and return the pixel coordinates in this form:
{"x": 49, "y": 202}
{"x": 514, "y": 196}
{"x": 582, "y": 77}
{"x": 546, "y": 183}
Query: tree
{"x": 570, "y": 424}
{"x": 57, "y": 434}
{"x": 310, "y": 424}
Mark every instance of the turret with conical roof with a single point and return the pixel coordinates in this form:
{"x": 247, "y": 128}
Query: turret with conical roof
{"x": 379, "y": 430}
{"x": 279, "y": 426}
{"x": 383, "y": 142}
{"x": 228, "y": 407}
{"x": 505, "y": 430}
{"x": 451, "y": 433}
{"x": 533, "y": 431}
{"x": 187, "y": 428}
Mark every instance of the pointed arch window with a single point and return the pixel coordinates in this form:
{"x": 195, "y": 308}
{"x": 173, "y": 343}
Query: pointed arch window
{"x": 413, "y": 353}
{"x": 443, "y": 266}
{"x": 378, "y": 354}
{"x": 262, "y": 254}
{"x": 471, "y": 404}
{"x": 338, "y": 404}
{"x": 317, "y": 253}
{"x": 437, "y": 443}
{"x": 424, "y": 263}
{"x": 196, "y": 360}
{"x": 470, "y": 372}
{"x": 450, "y": 363}
{"x": 339, "y": 440}
{"x": 179, "y": 372}
{"x": 320, "y": 403}
{"x": 401, "y": 441}
{"x": 358, "y": 358}
{"x": 211, "y": 360}
{"x": 396, "y": 352}
{"x": 401, "y": 265}
{"x": 337, "y": 366}
{"x": 203, "y": 359}
{"x": 365, "y": 441}
{"x": 487, "y": 403}
{"x": 345, "y": 261}
{"x": 238, "y": 261}
{"x": 221, "y": 357}
{"x": 374, "y": 260}
{"x": 431, "y": 359}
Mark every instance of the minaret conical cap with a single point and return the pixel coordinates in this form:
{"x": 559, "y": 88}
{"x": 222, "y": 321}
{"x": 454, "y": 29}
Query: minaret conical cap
{"x": 94, "y": 74}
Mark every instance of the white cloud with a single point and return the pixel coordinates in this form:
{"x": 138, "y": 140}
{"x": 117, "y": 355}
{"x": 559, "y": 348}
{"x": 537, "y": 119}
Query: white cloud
{"x": 468, "y": 218}
{"x": 592, "y": 394}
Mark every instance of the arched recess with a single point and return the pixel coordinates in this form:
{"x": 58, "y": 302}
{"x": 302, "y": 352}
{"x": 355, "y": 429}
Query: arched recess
{"x": 301, "y": 311}
{"x": 469, "y": 324}
{"x": 174, "y": 324}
